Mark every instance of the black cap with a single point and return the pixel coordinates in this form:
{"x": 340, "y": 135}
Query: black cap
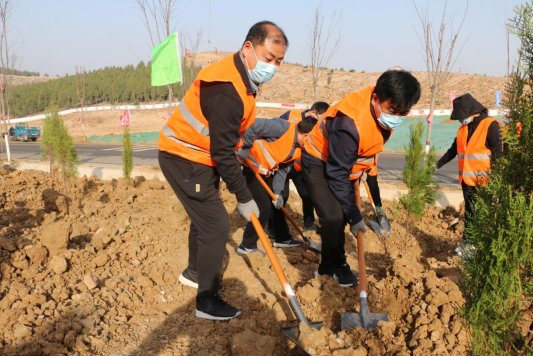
{"x": 465, "y": 106}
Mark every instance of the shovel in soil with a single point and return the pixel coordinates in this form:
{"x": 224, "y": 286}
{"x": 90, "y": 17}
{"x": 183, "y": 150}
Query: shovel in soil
{"x": 364, "y": 318}
{"x": 291, "y": 332}
{"x": 315, "y": 246}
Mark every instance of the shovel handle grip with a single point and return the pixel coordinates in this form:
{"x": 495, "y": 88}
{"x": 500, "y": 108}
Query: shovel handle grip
{"x": 278, "y": 269}
{"x": 283, "y": 210}
{"x": 361, "y": 262}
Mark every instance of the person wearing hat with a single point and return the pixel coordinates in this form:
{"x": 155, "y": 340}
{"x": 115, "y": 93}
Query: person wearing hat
{"x": 477, "y": 145}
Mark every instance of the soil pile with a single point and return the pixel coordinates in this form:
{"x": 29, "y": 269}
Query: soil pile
{"x": 93, "y": 268}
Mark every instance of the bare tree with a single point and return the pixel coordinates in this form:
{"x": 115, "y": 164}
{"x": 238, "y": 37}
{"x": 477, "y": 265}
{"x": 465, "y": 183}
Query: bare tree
{"x": 157, "y": 19}
{"x": 7, "y": 61}
{"x": 324, "y": 44}
{"x": 80, "y": 90}
{"x": 440, "y": 56}
{"x": 189, "y": 48}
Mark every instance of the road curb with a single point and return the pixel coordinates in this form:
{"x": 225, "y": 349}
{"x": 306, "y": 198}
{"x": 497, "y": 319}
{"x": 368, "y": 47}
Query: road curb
{"x": 389, "y": 191}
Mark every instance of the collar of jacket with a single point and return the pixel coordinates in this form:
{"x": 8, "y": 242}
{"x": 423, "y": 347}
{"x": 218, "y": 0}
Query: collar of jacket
{"x": 251, "y": 87}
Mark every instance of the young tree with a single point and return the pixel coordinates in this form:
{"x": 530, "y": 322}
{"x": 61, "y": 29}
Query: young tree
{"x": 498, "y": 283}
{"x": 127, "y": 154}
{"x": 440, "y": 55}
{"x": 57, "y": 146}
{"x": 7, "y": 61}
{"x": 324, "y": 44}
{"x": 418, "y": 174}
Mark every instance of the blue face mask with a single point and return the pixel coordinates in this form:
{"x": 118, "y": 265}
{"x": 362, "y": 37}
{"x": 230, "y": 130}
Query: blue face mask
{"x": 467, "y": 121}
{"x": 389, "y": 121}
{"x": 263, "y": 72}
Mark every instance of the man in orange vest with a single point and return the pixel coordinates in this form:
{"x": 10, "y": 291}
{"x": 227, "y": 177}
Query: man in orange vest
{"x": 197, "y": 148}
{"x": 356, "y": 127}
{"x": 477, "y": 145}
{"x": 270, "y": 147}
{"x": 316, "y": 110}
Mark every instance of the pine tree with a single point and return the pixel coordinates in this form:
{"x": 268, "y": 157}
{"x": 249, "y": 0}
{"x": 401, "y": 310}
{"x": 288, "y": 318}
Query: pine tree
{"x": 418, "y": 174}
{"x": 498, "y": 283}
{"x": 127, "y": 154}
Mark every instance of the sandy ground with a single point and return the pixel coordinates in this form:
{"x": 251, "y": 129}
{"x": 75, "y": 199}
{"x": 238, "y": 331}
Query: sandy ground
{"x": 93, "y": 269}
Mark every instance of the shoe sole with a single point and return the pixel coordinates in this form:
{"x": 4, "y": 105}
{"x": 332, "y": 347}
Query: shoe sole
{"x": 202, "y": 315}
{"x": 185, "y": 281}
{"x": 276, "y": 244}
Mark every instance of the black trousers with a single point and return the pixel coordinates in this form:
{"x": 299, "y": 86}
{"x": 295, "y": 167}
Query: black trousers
{"x": 266, "y": 210}
{"x": 469, "y": 194}
{"x": 196, "y": 186}
{"x": 330, "y": 217}
{"x": 298, "y": 179}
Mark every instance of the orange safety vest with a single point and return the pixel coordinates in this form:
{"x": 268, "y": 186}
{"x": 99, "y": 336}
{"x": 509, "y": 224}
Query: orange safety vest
{"x": 295, "y": 115}
{"x": 364, "y": 164}
{"x": 356, "y": 106}
{"x": 186, "y": 132}
{"x": 474, "y": 157}
{"x": 265, "y": 157}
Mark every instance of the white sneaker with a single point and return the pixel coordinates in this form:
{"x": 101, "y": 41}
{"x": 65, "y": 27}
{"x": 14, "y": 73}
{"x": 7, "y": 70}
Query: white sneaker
{"x": 241, "y": 250}
{"x": 187, "y": 281}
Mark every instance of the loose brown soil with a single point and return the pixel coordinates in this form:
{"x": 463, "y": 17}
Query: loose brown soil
{"x": 93, "y": 269}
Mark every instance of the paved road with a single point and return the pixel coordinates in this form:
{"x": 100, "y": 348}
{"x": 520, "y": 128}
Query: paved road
{"x": 390, "y": 164}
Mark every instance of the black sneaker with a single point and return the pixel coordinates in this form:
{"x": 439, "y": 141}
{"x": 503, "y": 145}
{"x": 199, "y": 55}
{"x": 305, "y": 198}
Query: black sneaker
{"x": 215, "y": 308}
{"x": 287, "y": 243}
{"x": 270, "y": 232}
{"x": 344, "y": 276}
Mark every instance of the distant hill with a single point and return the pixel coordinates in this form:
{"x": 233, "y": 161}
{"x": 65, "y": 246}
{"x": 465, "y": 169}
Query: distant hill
{"x": 292, "y": 84}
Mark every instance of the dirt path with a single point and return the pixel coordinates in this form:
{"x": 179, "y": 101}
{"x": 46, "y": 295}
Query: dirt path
{"x": 95, "y": 271}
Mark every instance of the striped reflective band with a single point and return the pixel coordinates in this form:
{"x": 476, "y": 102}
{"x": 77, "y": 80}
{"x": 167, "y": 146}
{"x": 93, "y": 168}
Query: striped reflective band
{"x": 473, "y": 174}
{"x": 365, "y": 159}
{"x": 167, "y": 131}
{"x": 477, "y": 156}
{"x": 317, "y": 151}
{"x": 193, "y": 121}
{"x": 272, "y": 163}
{"x": 249, "y": 159}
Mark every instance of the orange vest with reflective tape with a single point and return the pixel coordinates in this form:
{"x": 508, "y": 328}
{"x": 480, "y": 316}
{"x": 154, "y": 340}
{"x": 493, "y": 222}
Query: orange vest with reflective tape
{"x": 186, "y": 132}
{"x": 265, "y": 157}
{"x": 474, "y": 157}
{"x": 295, "y": 115}
{"x": 364, "y": 164}
{"x": 357, "y": 107}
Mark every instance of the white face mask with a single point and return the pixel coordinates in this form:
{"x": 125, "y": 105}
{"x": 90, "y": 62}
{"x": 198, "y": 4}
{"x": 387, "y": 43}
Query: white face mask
{"x": 467, "y": 121}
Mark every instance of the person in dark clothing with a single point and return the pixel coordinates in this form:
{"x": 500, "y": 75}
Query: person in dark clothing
{"x": 316, "y": 110}
{"x": 197, "y": 148}
{"x": 478, "y": 144}
{"x": 282, "y": 142}
{"x": 354, "y": 128}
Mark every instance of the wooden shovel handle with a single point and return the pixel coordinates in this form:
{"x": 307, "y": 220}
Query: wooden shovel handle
{"x": 360, "y": 244}
{"x": 283, "y": 210}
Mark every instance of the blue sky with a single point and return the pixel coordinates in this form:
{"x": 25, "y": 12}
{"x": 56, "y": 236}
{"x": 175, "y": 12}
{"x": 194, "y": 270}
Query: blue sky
{"x": 55, "y": 36}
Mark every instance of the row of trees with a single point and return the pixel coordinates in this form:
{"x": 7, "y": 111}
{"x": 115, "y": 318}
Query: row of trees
{"x": 130, "y": 84}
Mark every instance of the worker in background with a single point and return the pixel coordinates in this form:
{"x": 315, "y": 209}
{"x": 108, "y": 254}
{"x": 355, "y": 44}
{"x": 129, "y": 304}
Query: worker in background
{"x": 270, "y": 147}
{"x": 316, "y": 110}
{"x": 477, "y": 145}
{"x": 357, "y": 126}
{"x": 197, "y": 148}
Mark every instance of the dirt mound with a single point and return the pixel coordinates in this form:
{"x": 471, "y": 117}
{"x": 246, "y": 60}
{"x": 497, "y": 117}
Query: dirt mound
{"x": 93, "y": 268}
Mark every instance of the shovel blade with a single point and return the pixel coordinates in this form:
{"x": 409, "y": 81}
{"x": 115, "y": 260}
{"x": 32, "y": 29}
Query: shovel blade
{"x": 293, "y": 332}
{"x": 374, "y": 225}
{"x": 355, "y": 320}
{"x": 316, "y": 246}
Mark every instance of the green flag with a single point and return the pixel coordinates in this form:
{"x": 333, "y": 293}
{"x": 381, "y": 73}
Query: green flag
{"x": 166, "y": 64}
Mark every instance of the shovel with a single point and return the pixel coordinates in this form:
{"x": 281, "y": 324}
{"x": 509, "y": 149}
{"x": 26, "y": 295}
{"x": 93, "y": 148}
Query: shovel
{"x": 291, "y": 332}
{"x": 374, "y": 225}
{"x": 364, "y": 318}
{"x": 315, "y": 246}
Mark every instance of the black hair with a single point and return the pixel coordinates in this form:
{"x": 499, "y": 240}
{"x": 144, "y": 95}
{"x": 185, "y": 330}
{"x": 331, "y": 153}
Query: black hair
{"x": 401, "y": 87}
{"x": 306, "y": 124}
{"x": 319, "y": 107}
{"x": 263, "y": 30}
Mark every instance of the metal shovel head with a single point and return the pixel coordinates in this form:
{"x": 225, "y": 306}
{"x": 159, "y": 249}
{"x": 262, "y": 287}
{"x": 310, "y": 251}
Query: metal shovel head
{"x": 293, "y": 332}
{"x": 374, "y": 225}
{"x": 364, "y": 319}
{"x": 316, "y": 246}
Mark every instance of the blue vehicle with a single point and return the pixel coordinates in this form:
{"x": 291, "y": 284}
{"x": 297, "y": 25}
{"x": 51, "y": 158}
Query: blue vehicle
{"x": 22, "y": 132}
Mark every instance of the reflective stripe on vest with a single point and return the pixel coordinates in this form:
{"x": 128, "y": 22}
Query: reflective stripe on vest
{"x": 191, "y": 120}
{"x": 312, "y": 147}
{"x": 473, "y": 157}
{"x": 361, "y": 165}
{"x": 271, "y": 161}
{"x": 167, "y": 131}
